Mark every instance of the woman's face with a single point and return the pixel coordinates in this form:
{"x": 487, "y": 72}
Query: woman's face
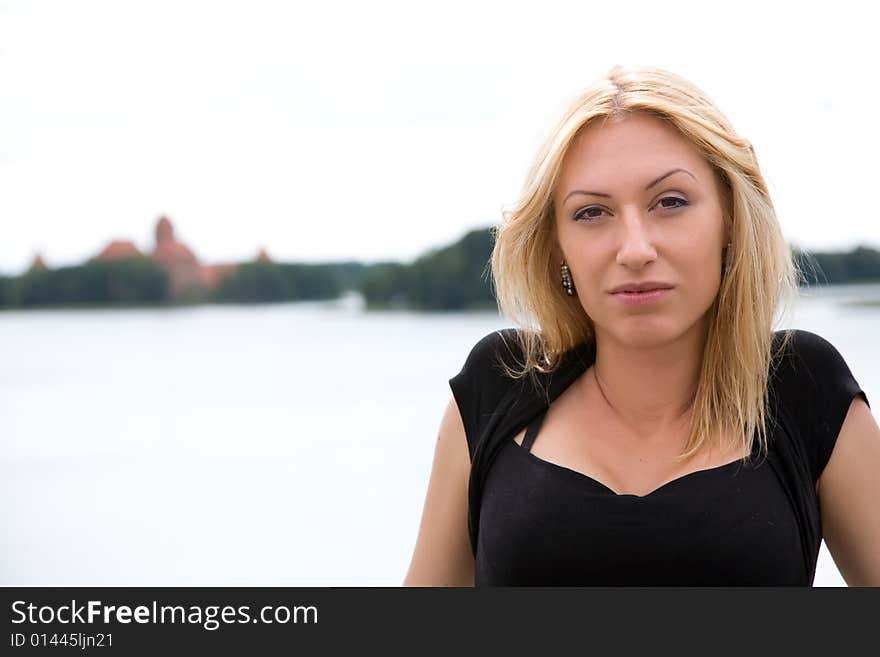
{"x": 636, "y": 202}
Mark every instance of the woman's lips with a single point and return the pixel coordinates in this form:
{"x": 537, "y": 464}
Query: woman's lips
{"x": 647, "y": 296}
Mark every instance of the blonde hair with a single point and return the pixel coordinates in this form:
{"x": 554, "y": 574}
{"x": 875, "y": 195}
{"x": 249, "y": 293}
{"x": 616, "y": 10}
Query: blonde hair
{"x": 732, "y": 393}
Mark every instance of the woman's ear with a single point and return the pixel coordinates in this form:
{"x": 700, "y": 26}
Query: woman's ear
{"x": 557, "y": 254}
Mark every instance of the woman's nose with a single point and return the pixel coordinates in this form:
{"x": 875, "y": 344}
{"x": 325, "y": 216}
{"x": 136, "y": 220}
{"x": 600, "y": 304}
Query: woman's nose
{"x": 636, "y": 245}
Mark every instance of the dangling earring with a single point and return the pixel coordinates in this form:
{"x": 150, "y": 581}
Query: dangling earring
{"x": 567, "y": 283}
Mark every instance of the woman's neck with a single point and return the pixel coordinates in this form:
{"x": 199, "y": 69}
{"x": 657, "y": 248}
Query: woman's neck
{"x": 649, "y": 389}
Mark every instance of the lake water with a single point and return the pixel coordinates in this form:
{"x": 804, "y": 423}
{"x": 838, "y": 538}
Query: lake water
{"x": 277, "y": 445}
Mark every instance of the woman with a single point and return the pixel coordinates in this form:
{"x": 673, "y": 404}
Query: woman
{"x": 646, "y": 425}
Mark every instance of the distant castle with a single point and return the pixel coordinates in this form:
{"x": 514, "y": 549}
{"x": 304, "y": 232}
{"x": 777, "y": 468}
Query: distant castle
{"x": 187, "y": 277}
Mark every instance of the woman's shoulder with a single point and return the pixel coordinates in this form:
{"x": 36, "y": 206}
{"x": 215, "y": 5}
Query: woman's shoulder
{"x": 483, "y": 381}
{"x": 809, "y": 354}
{"x": 814, "y": 383}
{"x": 809, "y": 367}
{"x": 486, "y": 372}
{"x": 500, "y": 345}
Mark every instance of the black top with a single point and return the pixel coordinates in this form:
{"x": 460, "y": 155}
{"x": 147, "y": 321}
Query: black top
{"x": 533, "y": 522}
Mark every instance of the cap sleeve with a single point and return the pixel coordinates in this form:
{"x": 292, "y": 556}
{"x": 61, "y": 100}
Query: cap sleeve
{"x": 823, "y": 388}
{"x": 480, "y": 385}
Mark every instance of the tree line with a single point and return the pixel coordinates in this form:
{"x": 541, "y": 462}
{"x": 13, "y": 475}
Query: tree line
{"x": 861, "y": 265}
{"x": 455, "y": 277}
{"x": 135, "y": 280}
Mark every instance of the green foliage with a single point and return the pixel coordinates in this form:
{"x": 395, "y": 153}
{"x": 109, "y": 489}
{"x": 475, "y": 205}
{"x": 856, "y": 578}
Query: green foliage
{"x": 452, "y": 278}
{"x": 256, "y": 282}
{"x": 133, "y": 280}
{"x": 313, "y": 282}
{"x": 350, "y": 274}
{"x": 8, "y": 285}
{"x": 253, "y": 282}
{"x": 385, "y": 285}
{"x": 860, "y": 265}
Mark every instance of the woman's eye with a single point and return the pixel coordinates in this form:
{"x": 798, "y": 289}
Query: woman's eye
{"x": 588, "y": 214}
{"x": 676, "y": 202}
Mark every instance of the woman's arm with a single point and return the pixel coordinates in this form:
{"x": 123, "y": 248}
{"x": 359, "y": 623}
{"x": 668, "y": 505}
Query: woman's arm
{"x": 849, "y": 498}
{"x": 442, "y": 555}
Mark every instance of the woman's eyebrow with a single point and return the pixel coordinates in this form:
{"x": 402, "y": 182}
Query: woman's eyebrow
{"x": 650, "y": 185}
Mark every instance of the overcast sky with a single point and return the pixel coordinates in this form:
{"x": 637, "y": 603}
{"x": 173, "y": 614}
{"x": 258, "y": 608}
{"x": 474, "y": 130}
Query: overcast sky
{"x": 377, "y": 130}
